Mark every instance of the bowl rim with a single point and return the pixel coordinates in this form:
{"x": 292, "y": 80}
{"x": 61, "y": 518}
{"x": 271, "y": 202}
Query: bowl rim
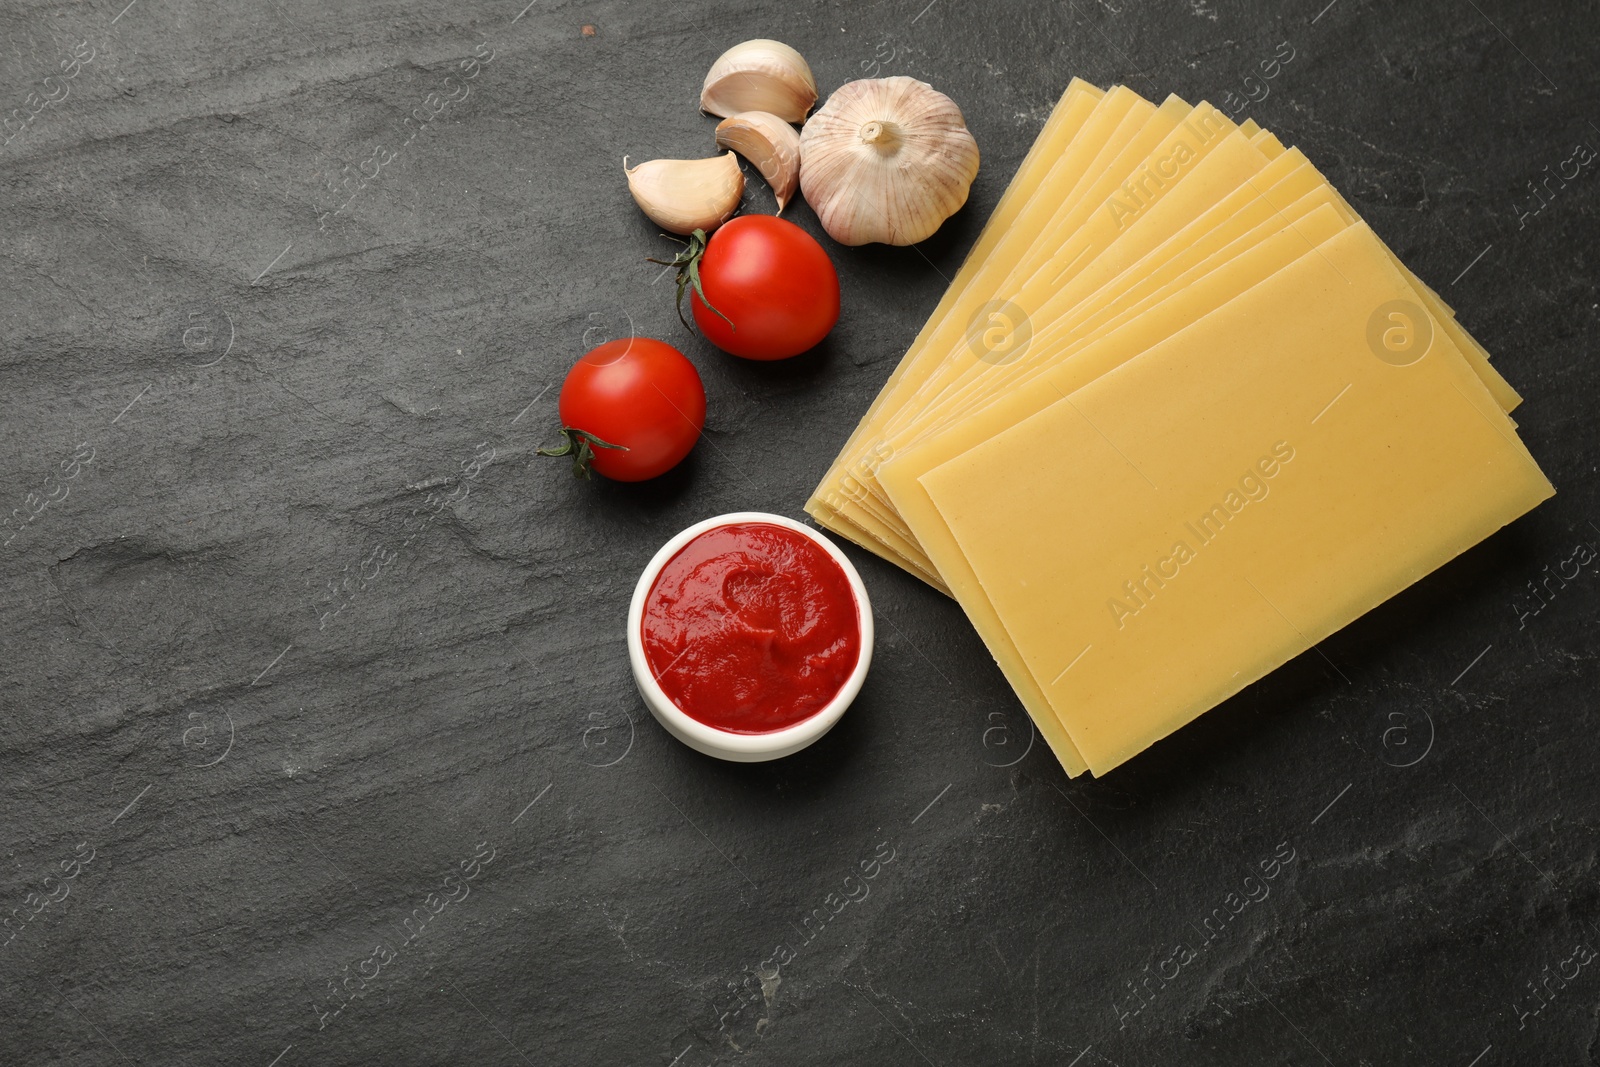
{"x": 711, "y": 739}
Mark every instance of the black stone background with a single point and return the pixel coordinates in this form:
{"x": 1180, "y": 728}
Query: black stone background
{"x": 268, "y": 394}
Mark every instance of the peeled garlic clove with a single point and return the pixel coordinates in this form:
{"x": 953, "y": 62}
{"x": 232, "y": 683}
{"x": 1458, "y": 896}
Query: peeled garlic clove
{"x": 760, "y": 75}
{"x": 886, "y": 159}
{"x": 684, "y": 195}
{"x": 768, "y": 142}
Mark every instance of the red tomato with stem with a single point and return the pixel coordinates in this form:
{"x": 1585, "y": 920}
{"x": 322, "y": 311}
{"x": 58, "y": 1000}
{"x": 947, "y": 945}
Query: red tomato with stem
{"x": 765, "y": 288}
{"x": 631, "y": 409}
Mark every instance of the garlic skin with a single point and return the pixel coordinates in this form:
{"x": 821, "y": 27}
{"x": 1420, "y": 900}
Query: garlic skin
{"x": 768, "y": 142}
{"x": 887, "y": 160}
{"x": 760, "y": 75}
{"x": 684, "y": 195}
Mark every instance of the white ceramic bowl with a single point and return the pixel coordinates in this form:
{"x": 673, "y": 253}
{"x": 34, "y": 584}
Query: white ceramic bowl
{"x": 743, "y": 748}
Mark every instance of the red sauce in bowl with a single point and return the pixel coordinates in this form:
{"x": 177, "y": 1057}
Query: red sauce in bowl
{"x": 751, "y": 628}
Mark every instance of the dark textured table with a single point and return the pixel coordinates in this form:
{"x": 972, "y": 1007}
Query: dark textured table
{"x": 320, "y": 745}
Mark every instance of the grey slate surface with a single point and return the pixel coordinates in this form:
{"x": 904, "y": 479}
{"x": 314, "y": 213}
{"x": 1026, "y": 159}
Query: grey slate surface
{"x": 243, "y": 779}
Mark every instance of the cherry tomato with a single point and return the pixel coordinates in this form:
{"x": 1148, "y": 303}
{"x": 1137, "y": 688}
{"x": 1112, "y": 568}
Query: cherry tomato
{"x": 630, "y": 409}
{"x": 772, "y": 281}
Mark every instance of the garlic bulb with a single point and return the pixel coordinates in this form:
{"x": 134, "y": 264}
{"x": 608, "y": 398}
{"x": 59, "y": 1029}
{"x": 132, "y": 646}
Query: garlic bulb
{"x": 684, "y": 195}
{"x": 768, "y": 142}
{"x": 886, "y": 159}
{"x": 760, "y": 75}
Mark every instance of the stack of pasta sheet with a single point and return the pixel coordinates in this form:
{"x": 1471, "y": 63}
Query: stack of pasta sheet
{"x": 1180, "y": 416}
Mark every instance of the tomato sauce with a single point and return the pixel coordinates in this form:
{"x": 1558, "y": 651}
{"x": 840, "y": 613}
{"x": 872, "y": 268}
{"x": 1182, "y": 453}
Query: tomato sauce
{"x": 751, "y": 628}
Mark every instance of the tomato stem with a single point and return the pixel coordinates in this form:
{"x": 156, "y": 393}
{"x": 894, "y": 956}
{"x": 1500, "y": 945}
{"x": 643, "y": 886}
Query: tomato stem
{"x": 580, "y": 445}
{"x": 688, "y": 264}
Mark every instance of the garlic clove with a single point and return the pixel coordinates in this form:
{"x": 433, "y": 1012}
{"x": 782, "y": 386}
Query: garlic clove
{"x": 886, "y": 159}
{"x": 684, "y": 195}
{"x": 760, "y": 75}
{"x": 768, "y": 142}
